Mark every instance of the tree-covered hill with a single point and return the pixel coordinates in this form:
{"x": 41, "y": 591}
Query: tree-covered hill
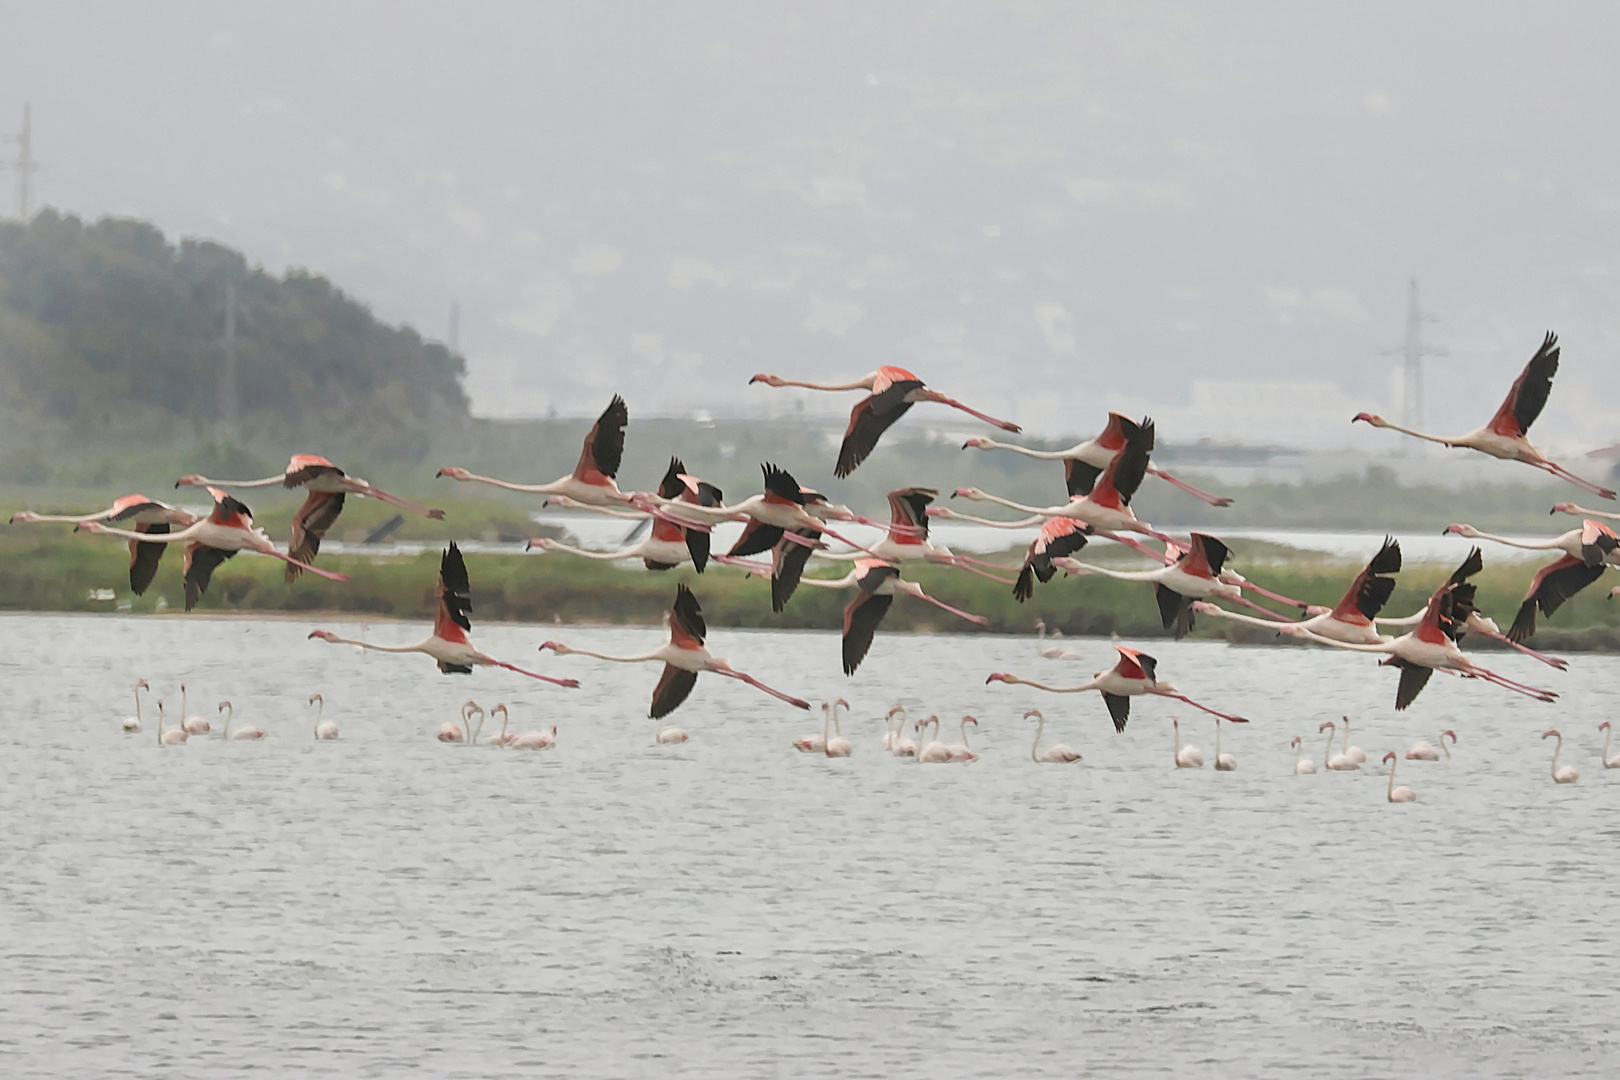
{"x": 101, "y": 319}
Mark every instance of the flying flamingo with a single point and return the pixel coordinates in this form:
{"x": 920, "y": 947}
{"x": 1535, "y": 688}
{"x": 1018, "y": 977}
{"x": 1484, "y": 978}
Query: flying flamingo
{"x": 1053, "y": 652}
{"x": 327, "y": 487}
{"x": 1354, "y": 753}
{"x": 1335, "y": 762}
{"x": 962, "y": 751}
{"x": 834, "y": 745}
{"x": 1422, "y": 751}
{"x": 146, "y": 515}
{"x": 243, "y": 734}
{"x": 1352, "y": 619}
{"x": 1581, "y": 511}
{"x": 878, "y": 583}
{"x": 1568, "y": 774}
{"x": 1397, "y": 794}
{"x": 1302, "y": 766}
{"x": 1505, "y": 436}
{"x": 1608, "y": 762}
{"x": 906, "y": 538}
{"x": 930, "y": 751}
{"x": 893, "y": 391}
{"x": 1057, "y": 753}
{"x": 1466, "y": 612}
{"x": 1196, "y": 575}
{"x": 1106, "y": 507}
{"x": 1594, "y": 543}
{"x": 1223, "y": 762}
{"x": 193, "y": 725}
{"x": 684, "y": 657}
{"x": 132, "y": 724}
{"x": 1135, "y": 673}
{"x": 593, "y": 480}
{"x": 668, "y": 545}
{"x": 211, "y": 541}
{"x": 172, "y": 737}
{"x": 1428, "y": 647}
{"x": 662, "y": 734}
{"x": 324, "y": 730}
{"x": 1188, "y": 757}
{"x": 449, "y": 643}
{"x": 1083, "y": 462}
{"x": 1059, "y": 537}
{"x": 1587, "y": 551}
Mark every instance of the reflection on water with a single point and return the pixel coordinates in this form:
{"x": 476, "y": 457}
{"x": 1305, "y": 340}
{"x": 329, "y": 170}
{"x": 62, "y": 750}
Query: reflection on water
{"x": 387, "y": 904}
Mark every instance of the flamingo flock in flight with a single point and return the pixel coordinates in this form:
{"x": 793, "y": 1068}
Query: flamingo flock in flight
{"x": 797, "y": 528}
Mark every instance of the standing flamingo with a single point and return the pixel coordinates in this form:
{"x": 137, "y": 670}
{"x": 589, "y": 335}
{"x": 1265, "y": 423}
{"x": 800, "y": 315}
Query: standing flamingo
{"x": 1223, "y": 762}
{"x": 1057, "y": 753}
{"x": 834, "y": 745}
{"x": 593, "y": 481}
{"x": 1608, "y": 762}
{"x": 324, "y": 730}
{"x": 1505, "y": 436}
{"x": 172, "y": 737}
{"x": 243, "y": 734}
{"x": 1188, "y": 757}
{"x": 889, "y": 737}
{"x": 930, "y": 751}
{"x": 683, "y": 657}
{"x": 962, "y": 751}
{"x": 1397, "y": 794}
{"x": 902, "y": 746}
{"x": 1422, "y": 751}
{"x": 1334, "y": 762}
{"x": 449, "y": 732}
{"x": 146, "y": 515}
{"x": 816, "y": 741}
{"x": 211, "y": 541}
{"x": 1418, "y": 653}
{"x": 1135, "y": 673}
{"x": 893, "y": 391}
{"x": 1302, "y": 766}
{"x": 1354, "y": 753}
{"x": 193, "y": 724}
{"x": 449, "y": 643}
{"x": 501, "y": 738}
{"x": 1053, "y": 652}
{"x": 1568, "y": 774}
{"x": 1083, "y": 462}
{"x": 132, "y": 724}
{"x": 327, "y": 487}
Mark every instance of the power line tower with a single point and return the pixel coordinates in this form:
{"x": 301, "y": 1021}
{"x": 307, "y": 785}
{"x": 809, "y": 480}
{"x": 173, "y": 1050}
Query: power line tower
{"x": 25, "y": 165}
{"x": 1412, "y": 354}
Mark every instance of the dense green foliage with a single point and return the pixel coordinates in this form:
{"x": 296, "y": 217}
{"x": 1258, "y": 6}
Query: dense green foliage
{"x": 96, "y": 319}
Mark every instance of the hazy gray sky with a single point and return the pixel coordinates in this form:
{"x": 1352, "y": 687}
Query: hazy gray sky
{"x": 1209, "y": 212}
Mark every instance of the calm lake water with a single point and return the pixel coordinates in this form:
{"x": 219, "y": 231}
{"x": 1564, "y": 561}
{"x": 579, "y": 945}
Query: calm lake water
{"x": 387, "y": 905}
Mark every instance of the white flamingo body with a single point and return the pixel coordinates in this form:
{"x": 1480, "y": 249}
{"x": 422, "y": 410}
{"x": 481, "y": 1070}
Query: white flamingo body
{"x": 502, "y": 737}
{"x": 1354, "y": 753}
{"x": 835, "y": 745}
{"x": 241, "y": 734}
{"x": 669, "y": 734}
{"x": 1608, "y": 762}
{"x": 1568, "y": 774}
{"x": 192, "y": 725}
{"x": 1223, "y": 762}
{"x": 534, "y": 740}
{"x": 890, "y": 739}
{"x": 930, "y": 751}
{"x": 962, "y": 751}
{"x": 325, "y": 730}
{"x": 132, "y": 724}
{"x": 1057, "y": 753}
{"x": 1303, "y": 766}
{"x": 1423, "y": 751}
{"x": 1397, "y": 794}
{"x": 651, "y": 550}
{"x": 172, "y": 736}
{"x": 593, "y": 481}
{"x": 1187, "y": 757}
{"x": 1053, "y": 651}
{"x": 1335, "y": 762}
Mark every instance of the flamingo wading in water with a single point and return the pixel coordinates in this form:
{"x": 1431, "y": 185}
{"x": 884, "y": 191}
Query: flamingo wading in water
{"x": 132, "y": 724}
{"x": 892, "y": 393}
{"x": 243, "y": 734}
{"x": 1057, "y": 753}
{"x": 1422, "y": 751}
{"x": 684, "y": 656}
{"x": 327, "y": 486}
{"x": 1303, "y": 766}
{"x": 1608, "y": 762}
{"x": 1187, "y": 757}
{"x": 1397, "y": 794}
{"x": 449, "y": 644}
{"x": 1568, "y": 774}
{"x": 146, "y": 515}
{"x": 1505, "y": 436}
{"x": 211, "y": 541}
{"x": 325, "y": 730}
